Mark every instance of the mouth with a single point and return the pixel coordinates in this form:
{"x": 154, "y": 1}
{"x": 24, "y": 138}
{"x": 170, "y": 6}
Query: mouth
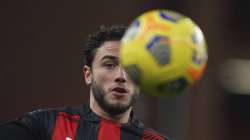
{"x": 119, "y": 91}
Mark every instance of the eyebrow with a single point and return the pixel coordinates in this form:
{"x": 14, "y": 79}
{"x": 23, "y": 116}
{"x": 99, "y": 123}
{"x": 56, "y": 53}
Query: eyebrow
{"x": 111, "y": 57}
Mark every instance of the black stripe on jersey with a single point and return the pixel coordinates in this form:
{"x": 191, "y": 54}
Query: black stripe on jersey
{"x": 87, "y": 130}
{"x": 131, "y": 133}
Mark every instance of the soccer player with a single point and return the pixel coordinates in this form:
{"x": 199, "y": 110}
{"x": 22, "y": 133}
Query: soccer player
{"x": 109, "y": 114}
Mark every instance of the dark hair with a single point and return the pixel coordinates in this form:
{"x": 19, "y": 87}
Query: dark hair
{"x": 96, "y": 39}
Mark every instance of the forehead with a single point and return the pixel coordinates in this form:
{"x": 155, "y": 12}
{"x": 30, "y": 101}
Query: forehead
{"x": 108, "y": 48}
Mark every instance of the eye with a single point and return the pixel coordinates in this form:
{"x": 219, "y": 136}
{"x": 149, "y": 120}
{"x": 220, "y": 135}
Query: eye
{"x": 110, "y": 65}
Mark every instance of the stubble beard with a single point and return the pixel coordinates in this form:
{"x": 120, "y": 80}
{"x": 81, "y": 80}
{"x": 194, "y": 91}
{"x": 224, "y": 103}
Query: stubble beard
{"x": 113, "y": 109}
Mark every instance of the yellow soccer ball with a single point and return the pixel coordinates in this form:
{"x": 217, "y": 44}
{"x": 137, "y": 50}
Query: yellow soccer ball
{"x": 163, "y": 52}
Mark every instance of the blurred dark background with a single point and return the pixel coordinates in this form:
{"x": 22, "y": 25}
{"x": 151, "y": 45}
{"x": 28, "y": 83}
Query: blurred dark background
{"x": 40, "y": 63}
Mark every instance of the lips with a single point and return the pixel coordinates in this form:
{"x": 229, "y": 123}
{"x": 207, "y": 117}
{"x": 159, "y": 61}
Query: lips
{"x": 120, "y": 90}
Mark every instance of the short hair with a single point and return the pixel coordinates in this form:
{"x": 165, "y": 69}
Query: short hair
{"x": 96, "y": 39}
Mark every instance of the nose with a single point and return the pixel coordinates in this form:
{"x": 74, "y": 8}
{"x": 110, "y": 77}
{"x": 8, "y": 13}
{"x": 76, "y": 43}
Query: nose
{"x": 121, "y": 75}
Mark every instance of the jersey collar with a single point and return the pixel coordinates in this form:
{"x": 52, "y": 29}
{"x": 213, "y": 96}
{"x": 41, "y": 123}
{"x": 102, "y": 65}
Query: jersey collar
{"x": 89, "y": 115}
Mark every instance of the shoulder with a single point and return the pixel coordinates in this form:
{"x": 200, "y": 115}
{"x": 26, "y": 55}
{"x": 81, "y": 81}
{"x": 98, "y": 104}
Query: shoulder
{"x": 53, "y": 112}
{"x": 39, "y": 123}
{"x": 43, "y": 114}
{"x": 45, "y": 118}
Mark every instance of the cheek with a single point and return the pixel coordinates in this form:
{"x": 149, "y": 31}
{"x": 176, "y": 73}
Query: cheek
{"x": 133, "y": 87}
{"x": 102, "y": 78}
{"x": 130, "y": 83}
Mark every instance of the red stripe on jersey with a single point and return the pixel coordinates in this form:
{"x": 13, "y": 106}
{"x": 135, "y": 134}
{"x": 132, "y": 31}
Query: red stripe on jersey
{"x": 149, "y": 135}
{"x": 109, "y": 130}
{"x": 65, "y": 127}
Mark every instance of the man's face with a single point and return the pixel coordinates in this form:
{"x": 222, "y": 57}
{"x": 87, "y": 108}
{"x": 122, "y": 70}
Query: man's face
{"x": 112, "y": 89}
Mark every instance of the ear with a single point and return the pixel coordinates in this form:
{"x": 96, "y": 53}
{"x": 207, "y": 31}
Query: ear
{"x": 87, "y": 74}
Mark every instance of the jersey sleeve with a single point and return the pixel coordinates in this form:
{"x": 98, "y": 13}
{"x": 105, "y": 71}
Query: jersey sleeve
{"x": 14, "y": 131}
{"x": 35, "y": 125}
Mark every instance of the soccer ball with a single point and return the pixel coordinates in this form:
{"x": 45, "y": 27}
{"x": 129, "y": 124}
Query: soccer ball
{"x": 163, "y": 52}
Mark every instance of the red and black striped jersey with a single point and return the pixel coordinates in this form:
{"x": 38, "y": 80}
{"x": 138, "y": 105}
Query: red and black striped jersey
{"x": 74, "y": 123}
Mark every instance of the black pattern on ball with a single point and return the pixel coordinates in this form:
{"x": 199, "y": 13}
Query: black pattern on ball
{"x": 159, "y": 48}
{"x": 134, "y": 73}
{"x": 174, "y": 86}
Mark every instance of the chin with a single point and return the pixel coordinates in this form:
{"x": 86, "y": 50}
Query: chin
{"x": 119, "y": 103}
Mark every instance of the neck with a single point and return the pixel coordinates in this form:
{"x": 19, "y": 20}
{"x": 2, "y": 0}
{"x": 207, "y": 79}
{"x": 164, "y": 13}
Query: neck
{"x": 120, "y": 118}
